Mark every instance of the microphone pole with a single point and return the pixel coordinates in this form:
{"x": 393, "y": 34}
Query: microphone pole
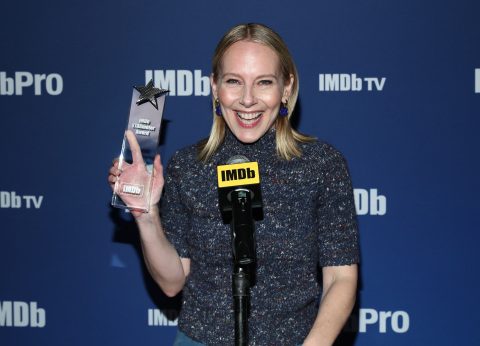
{"x": 243, "y": 246}
{"x": 240, "y": 202}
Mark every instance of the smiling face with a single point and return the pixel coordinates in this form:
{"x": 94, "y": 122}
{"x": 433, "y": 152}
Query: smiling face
{"x": 250, "y": 88}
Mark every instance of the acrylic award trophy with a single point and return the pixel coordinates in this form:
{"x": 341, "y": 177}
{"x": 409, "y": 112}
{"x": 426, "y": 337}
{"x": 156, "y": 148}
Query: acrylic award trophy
{"x": 134, "y": 185}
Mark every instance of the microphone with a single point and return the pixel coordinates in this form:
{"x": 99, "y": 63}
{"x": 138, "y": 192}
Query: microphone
{"x": 240, "y": 201}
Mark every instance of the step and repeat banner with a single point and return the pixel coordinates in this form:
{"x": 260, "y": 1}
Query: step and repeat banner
{"x": 394, "y": 85}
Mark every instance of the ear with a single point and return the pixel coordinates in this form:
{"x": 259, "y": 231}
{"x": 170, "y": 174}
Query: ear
{"x": 213, "y": 84}
{"x": 287, "y": 89}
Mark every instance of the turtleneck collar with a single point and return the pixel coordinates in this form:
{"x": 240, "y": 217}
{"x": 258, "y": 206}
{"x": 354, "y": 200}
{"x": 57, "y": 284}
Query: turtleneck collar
{"x": 266, "y": 139}
{"x": 264, "y": 147}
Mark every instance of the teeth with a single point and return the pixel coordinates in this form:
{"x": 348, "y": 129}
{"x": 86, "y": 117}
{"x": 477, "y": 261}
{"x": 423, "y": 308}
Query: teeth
{"x": 250, "y": 116}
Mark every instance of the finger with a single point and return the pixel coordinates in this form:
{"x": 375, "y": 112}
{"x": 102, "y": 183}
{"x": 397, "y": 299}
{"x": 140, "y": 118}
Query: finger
{"x": 134, "y": 147}
{"x": 112, "y": 179}
{"x": 115, "y": 161}
{"x": 157, "y": 165}
{"x": 114, "y": 171}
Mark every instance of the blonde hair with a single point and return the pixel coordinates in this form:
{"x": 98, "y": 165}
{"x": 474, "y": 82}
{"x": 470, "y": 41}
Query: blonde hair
{"x": 287, "y": 138}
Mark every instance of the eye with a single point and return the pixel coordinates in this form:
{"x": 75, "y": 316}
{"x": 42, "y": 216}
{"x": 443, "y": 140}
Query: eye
{"x": 232, "y": 81}
{"x": 265, "y": 82}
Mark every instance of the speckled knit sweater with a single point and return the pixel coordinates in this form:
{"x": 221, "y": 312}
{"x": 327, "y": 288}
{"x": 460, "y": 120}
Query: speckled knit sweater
{"x": 309, "y": 221}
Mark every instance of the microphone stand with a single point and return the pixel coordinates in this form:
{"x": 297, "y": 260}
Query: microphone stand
{"x": 241, "y": 295}
{"x": 243, "y": 247}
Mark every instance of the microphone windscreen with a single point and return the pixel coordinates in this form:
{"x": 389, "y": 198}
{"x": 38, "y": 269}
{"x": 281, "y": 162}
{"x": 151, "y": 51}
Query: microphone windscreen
{"x": 237, "y": 159}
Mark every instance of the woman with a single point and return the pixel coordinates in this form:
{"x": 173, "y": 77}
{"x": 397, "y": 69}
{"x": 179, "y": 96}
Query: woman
{"x": 309, "y": 214}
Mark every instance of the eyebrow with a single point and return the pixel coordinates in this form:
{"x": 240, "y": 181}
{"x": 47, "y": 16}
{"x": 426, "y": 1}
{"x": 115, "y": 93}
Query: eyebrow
{"x": 259, "y": 77}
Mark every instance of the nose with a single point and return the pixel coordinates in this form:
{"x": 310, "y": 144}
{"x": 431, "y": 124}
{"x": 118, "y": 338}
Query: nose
{"x": 248, "y": 98}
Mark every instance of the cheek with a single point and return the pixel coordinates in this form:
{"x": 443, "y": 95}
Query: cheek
{"x": 273, "y": 98}
{"x": 229, "y": 94}
{"x": 221, "y": 94}
{"x": 273, "y": 102}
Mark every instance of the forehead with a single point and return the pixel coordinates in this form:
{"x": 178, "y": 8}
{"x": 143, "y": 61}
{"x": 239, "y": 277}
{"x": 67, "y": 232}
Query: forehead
{"x": 250, "y": 57}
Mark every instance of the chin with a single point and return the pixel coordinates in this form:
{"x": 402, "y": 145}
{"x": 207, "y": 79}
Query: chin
{"x": 248, "y": 138}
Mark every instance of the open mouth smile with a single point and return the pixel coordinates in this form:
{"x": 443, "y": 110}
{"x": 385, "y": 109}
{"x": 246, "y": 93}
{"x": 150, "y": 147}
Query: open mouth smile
{"x": 248, "y": 119}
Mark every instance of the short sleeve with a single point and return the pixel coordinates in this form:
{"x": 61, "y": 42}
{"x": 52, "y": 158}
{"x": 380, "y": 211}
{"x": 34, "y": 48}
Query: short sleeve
{"x": 338, "y": 229}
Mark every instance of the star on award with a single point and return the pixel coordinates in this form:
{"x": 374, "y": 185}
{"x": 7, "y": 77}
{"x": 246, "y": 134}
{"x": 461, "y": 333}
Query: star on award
{"x": 149, "y": 93}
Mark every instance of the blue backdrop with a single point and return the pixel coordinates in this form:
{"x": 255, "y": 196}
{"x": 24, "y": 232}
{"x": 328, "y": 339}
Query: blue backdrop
{"x": 394, "y": 85}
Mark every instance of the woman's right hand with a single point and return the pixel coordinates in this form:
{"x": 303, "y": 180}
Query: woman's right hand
{"x": 137, "y": 173}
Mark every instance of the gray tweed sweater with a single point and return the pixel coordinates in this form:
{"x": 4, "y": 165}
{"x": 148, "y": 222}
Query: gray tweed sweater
{"x": 309, "y": 222}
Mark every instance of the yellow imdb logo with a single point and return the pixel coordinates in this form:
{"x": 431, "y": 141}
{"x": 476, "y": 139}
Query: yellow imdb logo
{"x": 238, "y": 174}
